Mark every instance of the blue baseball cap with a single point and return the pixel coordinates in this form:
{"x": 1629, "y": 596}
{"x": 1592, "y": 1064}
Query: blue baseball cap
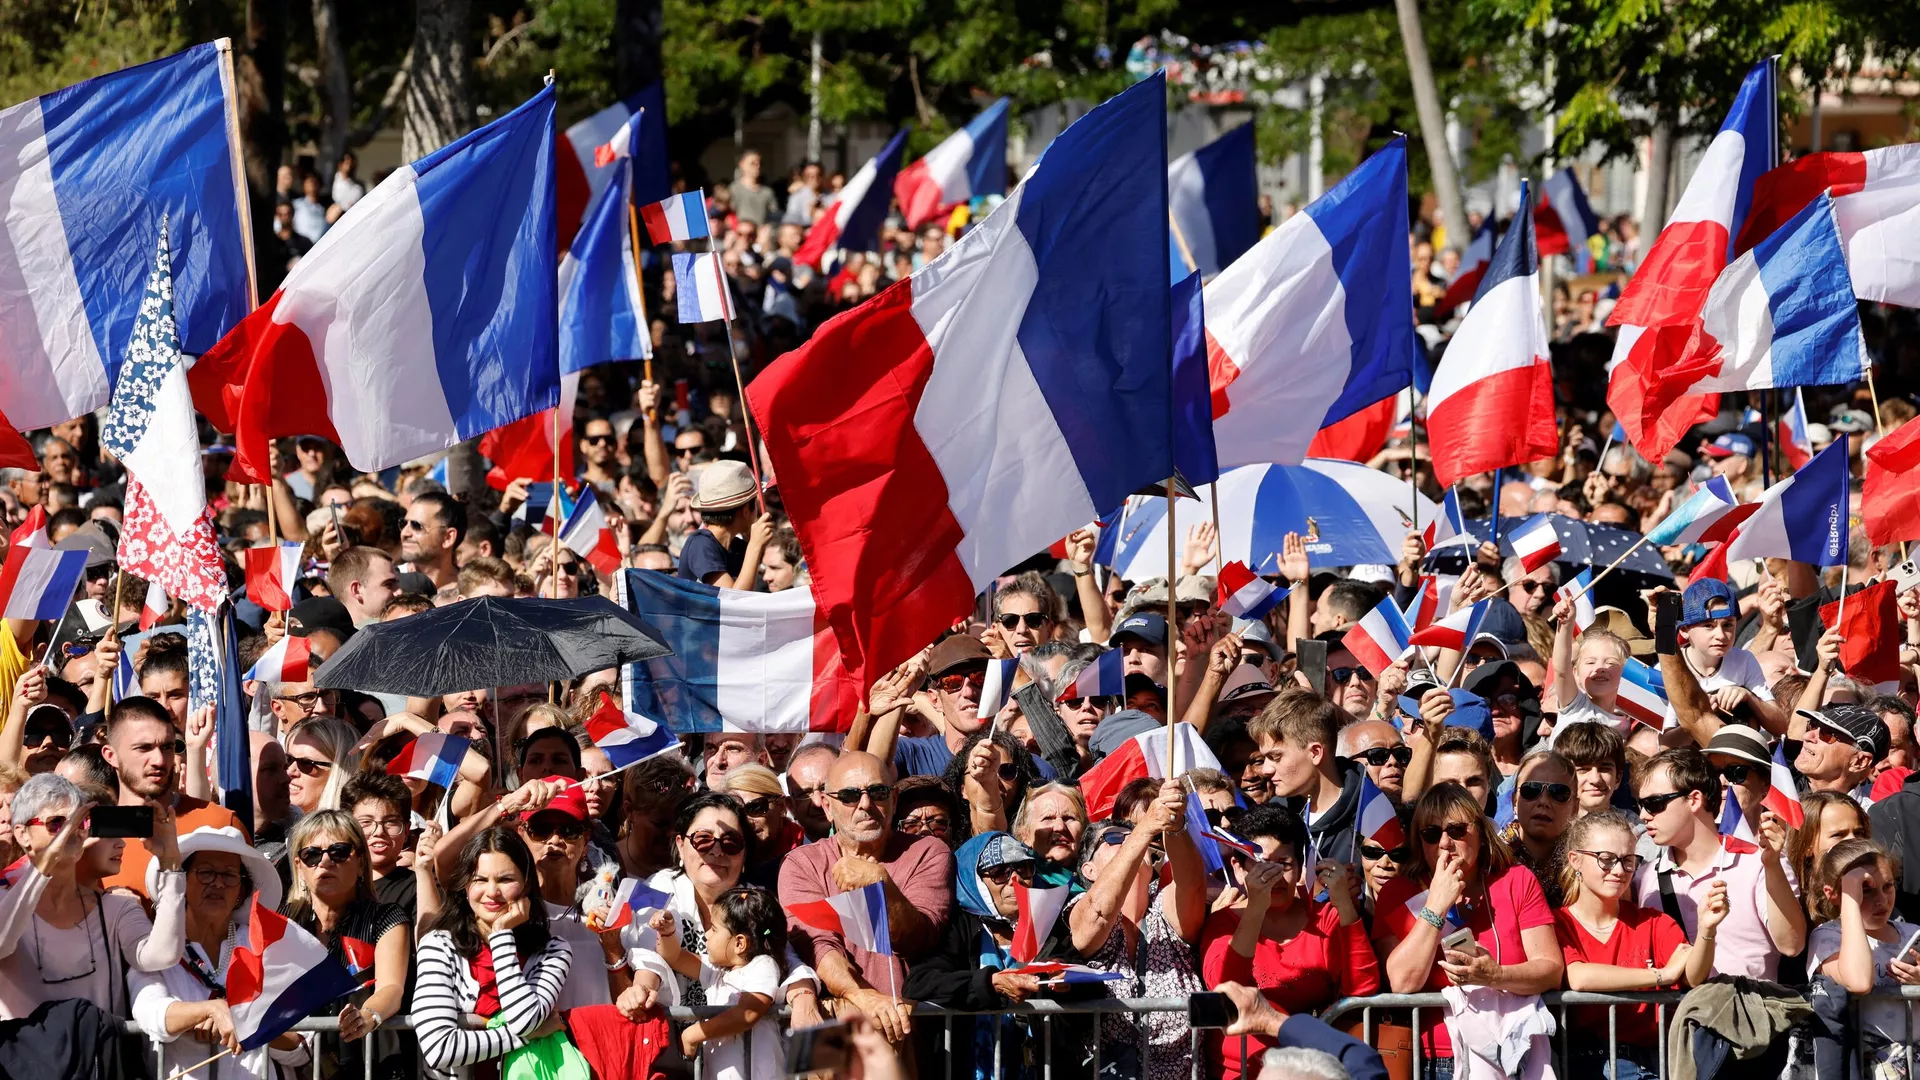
{"x": 1730, "y": 444}
{"x": 1706, "y": 600}
{"x": 1148, "y": 627}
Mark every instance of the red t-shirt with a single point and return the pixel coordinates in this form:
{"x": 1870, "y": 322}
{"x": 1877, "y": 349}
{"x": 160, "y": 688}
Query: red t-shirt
{"x": 1321, "y": 964}
{"x": 1514, "y": 904}
{"x": 1643, "y": 938}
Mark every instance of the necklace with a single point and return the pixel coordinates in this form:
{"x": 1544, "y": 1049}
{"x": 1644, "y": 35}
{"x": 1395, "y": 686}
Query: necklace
{"x": 209, "y": 976}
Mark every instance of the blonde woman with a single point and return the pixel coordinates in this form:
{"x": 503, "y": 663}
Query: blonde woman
{"x": 320, "y": 760}
{"x": 333, "y": 899}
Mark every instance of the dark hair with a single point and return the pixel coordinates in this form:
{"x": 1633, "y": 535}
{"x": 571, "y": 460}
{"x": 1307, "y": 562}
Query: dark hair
{"x": 683, "y": 820}
{"x": 1589, "y": 744}
{"x": 94, "y": 767}
{"x": 456, "y": 914}
{"x": 1278, "y": 822}
{"x": 166, "y": 655}
{"x": 451, "y": 512}
{"x": 1350, "y": 599}
{"x": 376, "y": 786}
{"x": 482, "y": 530}
{"x": 1137, "y": 793}
{"x": 534, "y": 736}
{"x": 1689, "y": 770}
{"x": 127, "y": 710}
{"x": 754, "y": 912}
{"x": 955, "y": 776}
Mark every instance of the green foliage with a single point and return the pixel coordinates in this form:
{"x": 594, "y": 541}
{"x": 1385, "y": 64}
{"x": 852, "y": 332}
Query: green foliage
{"x": 48, "y": 44}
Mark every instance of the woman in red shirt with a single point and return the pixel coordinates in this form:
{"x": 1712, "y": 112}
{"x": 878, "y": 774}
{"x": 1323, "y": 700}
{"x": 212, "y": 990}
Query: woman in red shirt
{"x": 1303, "y": 954}
{"x": 1462, "y": 875}
{"x": 1613, "y": 944}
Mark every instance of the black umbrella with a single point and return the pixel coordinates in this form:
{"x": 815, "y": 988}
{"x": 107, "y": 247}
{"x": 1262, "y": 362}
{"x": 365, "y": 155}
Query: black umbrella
{"x": 488, "y": 642}
{"x": 1582, "y": 544}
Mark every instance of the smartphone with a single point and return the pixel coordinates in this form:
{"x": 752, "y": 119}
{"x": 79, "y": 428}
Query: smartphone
{"x": 109, "y": 822}
{"x": 1907, "y": 949}
{"x": 1313, "y": 662}
{"x": 1458, "y": 940}
{"x": 820, "y": 1050}
{"x": 1666, "y": 624}
{"x": 1906, "y": 576}
{"x": 1211, "y": 1009}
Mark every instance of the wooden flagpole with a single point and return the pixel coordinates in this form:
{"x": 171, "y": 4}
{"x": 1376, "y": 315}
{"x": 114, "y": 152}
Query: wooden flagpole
{"x": 733, "y": 354}
{"x": 1173, "y": 626}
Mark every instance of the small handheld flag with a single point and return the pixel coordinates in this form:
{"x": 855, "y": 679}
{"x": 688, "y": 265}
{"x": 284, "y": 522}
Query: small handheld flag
{"x": 677, "y": 217}
{"x": 1105, "y": 677}
{"x": 1377, "y": 819}
{"x": 1580, "y": 589}
{"x": 1643, "y": 694}
{"x": 627, "y": 738}
{"x": 1380, "y": 638}
{"x": 634, "y": 898}
{"x": 1245, "y": 594}
{"x": 1709, "y": 503}
{"x": 289, "y": 660}
{"x": 434, "y": 757}
{"x": 1536, "y": 543}
{"x": 1735, "y": 834}
{"x": 39, "y": 583}
{"x": 701, "y": 287}
{"x": 1057, "y": 972}
{"x": 1449, "y": 526}
{"x": 280, "y": 976}
{"x": 1039, "y": 909}
{"x": 997, "y": 690}
{"x": 1783, "y": 798}
{"x": 359, "y": 957}
{"x": 1456, "y": 631}
{"x": 858, "y": 916}
{"x": 272, "y": 571}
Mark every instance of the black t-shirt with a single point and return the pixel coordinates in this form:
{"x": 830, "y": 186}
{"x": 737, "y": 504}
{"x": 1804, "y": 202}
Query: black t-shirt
{"x": 398, "y": 890}
{"x": 702, "y": 557}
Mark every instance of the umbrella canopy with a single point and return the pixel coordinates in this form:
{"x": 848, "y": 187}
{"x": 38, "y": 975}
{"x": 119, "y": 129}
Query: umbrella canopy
{"x": 1582, "y": 544}
{"x": 1349, "y": 514}
{"x": 487, "y": 642}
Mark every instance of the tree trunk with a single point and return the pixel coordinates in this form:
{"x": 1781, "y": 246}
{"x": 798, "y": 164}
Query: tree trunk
{"x": 438, "y": 95}
{"x": 1433, "y": 125}
{"x": 261, "y": 74}
{"x": 638, "y": 25}
{"x": 336, "y": 90}
{"x": 1653, "y": 215}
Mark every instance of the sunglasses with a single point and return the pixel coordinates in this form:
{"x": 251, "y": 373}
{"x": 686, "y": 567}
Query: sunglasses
{"x": 1009, "y": 771}
{"x": 952, "y": 684}
{"x": 850, "y": 796}
{"x": 1227, "y": 817}
{"x": 308, "y": 766}
{"x": 999, "y": 874}
{"x": 1344, "y": 675}
{"x": 1380, "y": 755}
{"x": 1375, "y": 853}
{"x": 1530, "y": 586}
{"x": 52, "y": 824}
{"x": 687, "y": 451}
{"x": 1608, "y": 862}
{"x": 1654, "y": 804}
{"x": 1533, "y": 789}
{"x": 339, "y": 853}
{"x": 596, "y": 440}
{"x": 1034, "y": 620}
{"x": 939, "y": 824}
{"x": 567, "y": 829}
{"x": 1735, "y": 774}
{"x": 1098, "y": 702}
{"x": 758, "y": 807}
{"x": 33, "y": 740}
{"x": 729, "y": 843}
{"x": 1456, "y": 831}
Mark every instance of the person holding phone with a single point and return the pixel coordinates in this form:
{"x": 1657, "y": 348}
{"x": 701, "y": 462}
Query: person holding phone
{"x": 1861, "y": 945}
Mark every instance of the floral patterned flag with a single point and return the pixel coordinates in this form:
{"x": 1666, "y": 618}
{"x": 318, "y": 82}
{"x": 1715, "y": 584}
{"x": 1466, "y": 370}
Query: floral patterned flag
{"x": 168, "y": 534}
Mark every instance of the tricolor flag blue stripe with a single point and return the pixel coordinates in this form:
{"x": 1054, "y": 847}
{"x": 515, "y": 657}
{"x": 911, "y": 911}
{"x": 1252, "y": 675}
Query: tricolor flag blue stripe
{"x": 1104, "y": 677}
{"x": 701, "y": 287}
{"x": 39, "y": 583}
{"x": 677, "y": 217}
{"x": 1643, "y": 694}
{"x": 627, "y": 738}
{"x": 1803, "y": 517}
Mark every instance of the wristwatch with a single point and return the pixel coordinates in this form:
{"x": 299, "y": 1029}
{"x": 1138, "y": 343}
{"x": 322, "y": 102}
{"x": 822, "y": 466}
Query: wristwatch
{"x": 1432, "y": 918}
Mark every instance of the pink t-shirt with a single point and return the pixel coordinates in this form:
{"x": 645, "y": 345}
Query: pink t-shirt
{"x": 1742, "y": 945}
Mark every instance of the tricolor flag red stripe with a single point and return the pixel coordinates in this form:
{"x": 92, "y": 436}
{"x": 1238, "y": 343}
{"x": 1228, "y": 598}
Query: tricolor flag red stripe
{"x": 1735, "y": 834}
{"x": 1244, "y": 594}
{"x": 280, "y": 975}
{"x": 1380, "y": 637}
{"x": 1643, "y": 694}
{"x": 155, "y": 607}
{"x": 272, "y": 571}
{"x": 1455, "y": 632}
{"x": 1377, "y": 819}
{"x": 33, "y": 531}
{"x": 858, "y": 916}
{"x": 289, "y": 660}
{"x": 1783, "y": 797}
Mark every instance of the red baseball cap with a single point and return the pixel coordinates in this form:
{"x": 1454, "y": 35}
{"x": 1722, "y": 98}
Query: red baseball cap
{"x": 572, "y": 800}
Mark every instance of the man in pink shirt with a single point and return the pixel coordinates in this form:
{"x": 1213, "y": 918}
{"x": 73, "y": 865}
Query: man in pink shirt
{"x": 916, "y": 872}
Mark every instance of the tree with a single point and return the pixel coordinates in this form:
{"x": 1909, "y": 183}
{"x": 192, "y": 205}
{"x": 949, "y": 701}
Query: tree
{"x": 439, "y": 98}
{"x": 1426, "y": 99}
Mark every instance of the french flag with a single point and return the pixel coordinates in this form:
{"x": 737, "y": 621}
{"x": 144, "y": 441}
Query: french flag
{"x": 1794, "y": 442}
{"x": 1659, "y": 311}
{"x": 627, "y": 738}
{"x": 741, "y": 661}
{"x": 578, "y": 174}
{"x": 1580, "y": 589}
{"x": 272, "y": 572}
{"x": 279, "y": 976}
{"x": 1803, "y": 517}
{"x": 1564, "y": 221}
{"x": 587, "y": 534}
{"x": 1014, "y": 345}
{"x": 1688, "y": 523}
{"x": 1890, "y": 495}
{"x": 1735, "y": 834}
{"x": 700, "y": 286}
{"x": 1474, "y": 263}
{"x": 1456, "y": 631}
{"x": 676, "y": 217}
{"x": 289, "y": 660}
{"x": 1377, "y": 819}
{"x": 424, "y": 317}
{"x": 1310, "y": 323}
{"x": 434, "y": 757}
{"x": 853, "y": 222}
{"x": 634, "y": 897}
{"x": 967, "y": 164}
{"x": 1885, "y": 175}
{"x": 1201, "y": 830}
{"x": 39, "y": 583}
{"x": 1536, "y": 543}
{"x": 32, "y": 533}
{"x": 1434, "y": 595}
{"x": 1245, "y": 594}
{"x": 1039, "y": 909}
{"x": 1491, "y": 404}
{"x": 1783, "y": 797}
{"x": 1144, "y": 755}
{"x": 359, "y": 956}
{"x": 1105, "y": 677}
{"x": 89, "y": 173}
{"x": 11, "y": 876}
{"x": 1447, "y": 527}
{"x": 1643, "y": 694}
{"x": 1214, "y": 194}
{"x": 1380, "y": 638}
{"x": 155, "y": 607}
{"x": 1055, "y": 972}
{"x": 859, "y": 916}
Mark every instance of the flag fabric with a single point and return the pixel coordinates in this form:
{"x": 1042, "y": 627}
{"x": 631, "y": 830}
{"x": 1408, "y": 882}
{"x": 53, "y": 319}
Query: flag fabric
{"x": 1491, "y": 404}
{"x": 1433, "y": 595}
{"x": 1214, "y": 196}
{"x": 1039, "y": 908}
{"x": 1310, "y": 323}
{"x": 155, "y": 606}
{"x": 32, "y": 533}
{"x": 1783, "y": 797}
{"x": 1890, "y": 497}
{"x": 633, "y": 897}
{"x": 15, "y": 451}
{"x": 289, "y": 660}
{"x": 424, "y": 317}
{"x": 997, "y": 690}
{"x": 1792, "y": 433}
{"x": 1580, "y": 590}
{"x": 1377, "y": 819}
{"x": 602, "y": 317}
{"x": 89, "y": 173}
{"x": 1195, "y": 456}
{"x": 1689, "y": 522}
{"x": 587, "y": 534}
{"x": 1380, "y": 638}
{"x": 1465, "y": 283}
{"x": 1056, "y": 971}
{"x": 434, "y": 757}
{"x": 1449, "y": 526}
{"x": 39, "y": 583}
{"x": 1643, "y": 694}
{"x": 272, "y": 572}
{"x": 1871, "y": 630}
{"x": 1144, "y": 755}
{"x": 278, "y": 977}
{"x": 859, "y": 916}
{"x": 1735, "y": 834}
{"x": 967, "y": 164}
{"x": 167, "y": 535}
{"x": 359, "y": 957}
{"x": 676, "y": 217}
{"x": 1104, "y": 677}
{"x": 1564, "y": 221}
{"x": 1873, "y": 192}
{"x": 741, "y": 661}
{"x": 577, "y": 174}
{"x": 700, "y": 285}
{"x": 627, "y": 738}
{"x": 1536, "y": 543}
{"x": 1713, "y": 565}
{"x": 1201, "y": 830}
{"x": 1659, "y": 311}
{"x": 16, "y": 870}
{"x": 1803, "y": 517}
{"x": 214, "y": 678}
{"x": 852, "y": 222}
{"x": 1015, "y": 345}
{"x": 1244, "y": 594}
{"x": 1456, "y": 631}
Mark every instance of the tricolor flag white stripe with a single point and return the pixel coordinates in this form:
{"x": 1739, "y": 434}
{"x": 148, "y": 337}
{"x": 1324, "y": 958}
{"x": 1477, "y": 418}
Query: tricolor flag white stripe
{"x": 434, "y": 757}
{"x": 289, "y": 660}
{"x": 632, "y": 898}
{"x": 1380, "y": 638}
{"x": 1245, "y": 594}
{"x": 1456, "y": 631}
{"x": 1143, "y": 755}
{"x": 278, "y": 976}
{"x": 1536, "y": 543}
{"x": 1783, "y": 797}
{"x": 1709, "y": 503}
{"x": 678, "y": 217}
{"x": 701, "y": 286}
{"x": 39, "y": 583}
{"x": 1039, "y": 910}
{"x": 587, "y": 534}
{"x": 1735, "y": 834}
{"x": 858, "y": 916}
{"x": 1105, "y": 677}
{"x": 627, "y": 738}
{"x": 1449, "y": 527}
{"x": 272, "y": 571}
{"x": 998, "y": 689}
{"x": 1377, "y": 820}
{"x": 1581, "y": 590}
{"x": 1433, "y": 596}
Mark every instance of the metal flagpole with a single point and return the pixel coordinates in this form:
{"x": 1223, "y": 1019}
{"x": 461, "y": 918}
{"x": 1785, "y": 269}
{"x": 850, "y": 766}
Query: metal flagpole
{"x": 1413, "y": 449}
{"x": 1173, "y": 626}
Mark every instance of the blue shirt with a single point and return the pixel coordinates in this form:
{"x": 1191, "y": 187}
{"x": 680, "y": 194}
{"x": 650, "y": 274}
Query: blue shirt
{"x": 929, "y": 755}
{"x": 702, "y": 558}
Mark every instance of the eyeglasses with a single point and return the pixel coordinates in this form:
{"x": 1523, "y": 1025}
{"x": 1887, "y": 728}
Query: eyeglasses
{"x": 952, "y": 683}
{"x": 850, "y": 796}
{"x": 758, "y": 807}
{"x": 565, "y": 830}
{"x": 1735, "y": 774}
{"x": 1608, "y": 862}
{"x": 1533, "y": 789}
{"x": 999, "y": 874}
{"x": 1375, "y": 852}
{"x": 729, "y": 843}
{"x": 1227, "y": 816}
{"x": 1009, "y": 771}
{"x": 1457, "y": 830}
{"x": 338, "y": 854}
{"x": 211, "y": 877}
{"x": 1380, "y": 755}
{"x": 1654, "y": 804}
{"x": 1034, "y": 620}
{"x": 306, "y": 701}
{"x": 1099, "y": 701}
{"x": 1344, "y": 675}
{"x": 385, "y": 824}
{"x": 934, "y": 824}
{"x": 308, "y": 766}
{"x": 33, "y": 740}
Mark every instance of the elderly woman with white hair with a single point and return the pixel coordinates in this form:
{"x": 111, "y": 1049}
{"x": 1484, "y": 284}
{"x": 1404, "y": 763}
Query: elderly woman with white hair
{"x": 62, "y": 939}
{"x": 184, "y": 1007}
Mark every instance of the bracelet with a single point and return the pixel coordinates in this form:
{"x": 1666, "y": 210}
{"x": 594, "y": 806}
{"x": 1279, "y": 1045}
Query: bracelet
{"x": 374, "y": 1019}
{"x": 1428, "y": 916}
{"x": 1083, "y": 573}
{"x": 618, "y": 965}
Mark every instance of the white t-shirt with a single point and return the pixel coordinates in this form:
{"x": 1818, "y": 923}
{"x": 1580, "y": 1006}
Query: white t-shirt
{"x": 1582, "y": 710}
{"x": 1888, "y": 1018}
{"x": 1740, "y": 668}
{"x": 726, "y": 1059}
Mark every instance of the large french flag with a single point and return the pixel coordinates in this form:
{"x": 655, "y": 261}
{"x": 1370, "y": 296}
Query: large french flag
{"x": 1380, "y": 638}
{"x": 853, "y": 222}
{"x": 86, "y": 175}
{"x": 1474, "y": 262}
{"x": 742, "y": 661}
{"x": 967, "y": 164}
{"x": 1660, "y": 309}
{"x": 1803, "y": 517}
{"x": 279, "y": 976}
{"x": 1564, "y": 221}
{"x": 995, "y": 401}
{"x": 39, "y": 583}
{"x": 1491, "y": 403}
{"x": 424, "y": 317}
{"x": 627, "y": 738}
{"x": 434, "y": 757}
{"x": 1310, "y": 323}
{"x": 578, "y": 176}
{"x": 1214, "y": 194}
{"x": 859, "y": 916}
{"x": 1689, "y": 521}
{"x": 1144, "y": 755}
